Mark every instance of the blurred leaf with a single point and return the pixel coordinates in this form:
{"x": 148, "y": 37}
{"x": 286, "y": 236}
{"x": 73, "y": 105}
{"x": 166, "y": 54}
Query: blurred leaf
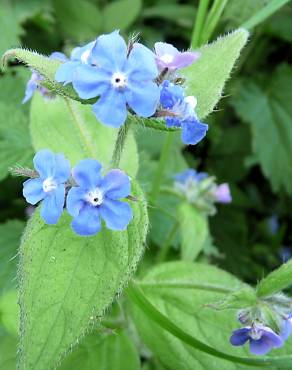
{"x": 10, "y": 233}
{"x": 97, "y": 351}
{"x": 268, "y": 110}
{"x": 9, "y": 312}
{"x": 183, "y": 15}
{"x": 216, "y": 62}
{"x": 238, "y": 11}
{"x": 181, "y": 291}
{"x": 57, "y": 119}
{"x": 120, "y": 14}
{"x": 80, "y": 21}
{"x": 193, "y": 229}
{"x": 8, "y": 349}
{"x": 68, "y": 281}
{"x": 15, "y": 147}
{"x": 276, "y": 281}
{"x": 280, "y": 24}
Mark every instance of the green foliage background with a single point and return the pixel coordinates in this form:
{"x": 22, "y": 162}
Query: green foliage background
{"x": 249, "y": 145}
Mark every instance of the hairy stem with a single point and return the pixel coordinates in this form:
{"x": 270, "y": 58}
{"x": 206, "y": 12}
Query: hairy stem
{"x": 120, "y": 143}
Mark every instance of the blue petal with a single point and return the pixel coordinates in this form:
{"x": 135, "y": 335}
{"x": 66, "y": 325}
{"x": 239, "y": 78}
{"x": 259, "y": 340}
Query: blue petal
{"x": 141, "y": 64}
{"x": 193, "y": 131}
{"x": 90, "y": 81}
{"x": 87, "y": 173}
{"x": 58, "y": 56}
{"x": 29, "y": 91}
{"x": 239, "y": 337}
{"x": 66, "y": 71}
{"x": 52, "y": 205}
{"x": 286, "y": 329}
{"x": 111, "y": 108}
{"x": 143, "y": 98}
{"x": 116, "y": 184}
{"x": 110, "y": 52}
{"x": 76, "y": 53}
{"x": 260, "y": 347}
{"x": 274, "y": 339}
{"x": 116, "y": 214}
{"x": 33, "y": 190}
{"x": 45, "y": 163}
{"x": 87, "y": 222}
{"x": 63, "y": 168}
{"x": 75, "y": 200}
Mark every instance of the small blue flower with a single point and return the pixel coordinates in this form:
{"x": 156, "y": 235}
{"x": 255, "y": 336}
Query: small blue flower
{"x": 120, "y": 78}
{"x": 172, "y": 99}
{"x": 35, "y": 80}
{"x": 261, "y": 339}
{"x": 97, "y": 197}
{"x": 190, "y": 175}
{"x": 79, "y": 56}
{"x": 54, "y": 171}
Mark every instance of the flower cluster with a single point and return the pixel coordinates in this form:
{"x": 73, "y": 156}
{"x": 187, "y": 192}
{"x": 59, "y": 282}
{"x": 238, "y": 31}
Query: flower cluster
{"x": 131, "y": 77}
{"x": 201, "y": 190}
{"x": 89, "y": 197}
{"x": 257, "y": 330}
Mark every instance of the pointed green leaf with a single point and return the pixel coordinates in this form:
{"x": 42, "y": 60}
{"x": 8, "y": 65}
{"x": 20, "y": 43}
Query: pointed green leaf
{"x": 113, "y": 351}
{"x": 206, "y": 77}
{"x": 68, "y": 281}
{"x": 68, "y": 126}
{"x": 194, "y": 231}
{"x": 276, "y": 281}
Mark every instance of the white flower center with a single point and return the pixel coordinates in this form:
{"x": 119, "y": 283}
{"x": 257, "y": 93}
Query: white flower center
{"x": 167, "y": 58}
{"x": 119, "y": 80}
{"x": 95, "y": 197}
{"x": 255, "y": 333}
{"x": 85, "y": 56}
{"x": 49, "y": 185}
{"x": 191, "y": 100}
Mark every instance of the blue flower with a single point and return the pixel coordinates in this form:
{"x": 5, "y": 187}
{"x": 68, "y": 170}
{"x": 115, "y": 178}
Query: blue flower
{"x": 122, "y": 77}
{"x": 35, "y": 80}
{"x": 79, "y": 56}
{"x": 182, "y": 113}
{"x": 97, "y": 197}
{"x": 190, "y": 175}
{"x": 54, "y": 171}
{"x": 261, "y": 339}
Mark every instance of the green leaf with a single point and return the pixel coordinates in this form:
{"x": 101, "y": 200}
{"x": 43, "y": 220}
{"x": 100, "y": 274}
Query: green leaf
{"x": 114, "y": 351}
{"x": 181, "y": 291}
{"x": 268, "y": 111}
{"x": 120, "y": 14}
{"x": 8, "y": 349}
{"x": 10, "y": 233}
{"x": 68, "y": 281}
{"x": 80, "y": 22}
{"x": 57, "y": 119}
{"x": 242, "y": 298}
{"x": 238, "y": 12}
{"x": 276, "y": 281}
{"x": 46, "y": 67}
{"x": 15, "y": 147}
{"x": 9, "y": 312}
{"x": 206, "y": 77}
{"x": 280, "y": 24}
{"x": 194, "y": 231}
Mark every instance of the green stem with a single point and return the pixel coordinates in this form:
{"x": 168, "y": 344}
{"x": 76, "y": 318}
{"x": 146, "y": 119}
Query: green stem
{"x": 163, "y": 252}
{"x": 199, "y": 22}
{"x": 120, "y": 143}
{"x": 212, "y": 20}
{"x": 164, "y": 158}
{"x": 136, "y": 295}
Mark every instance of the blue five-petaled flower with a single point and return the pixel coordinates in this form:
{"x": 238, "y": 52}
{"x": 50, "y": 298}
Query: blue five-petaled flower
{"x": 261, "y": 338}
{"x": 120, "y": 78}
{"x": 49, "y": 187}
{"x": 97, "y": 197}
{"x": 182, "y": 113}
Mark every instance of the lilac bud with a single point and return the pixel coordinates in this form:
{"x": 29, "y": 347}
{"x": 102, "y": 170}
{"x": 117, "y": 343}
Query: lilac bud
{"x": 222, "y": 193}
